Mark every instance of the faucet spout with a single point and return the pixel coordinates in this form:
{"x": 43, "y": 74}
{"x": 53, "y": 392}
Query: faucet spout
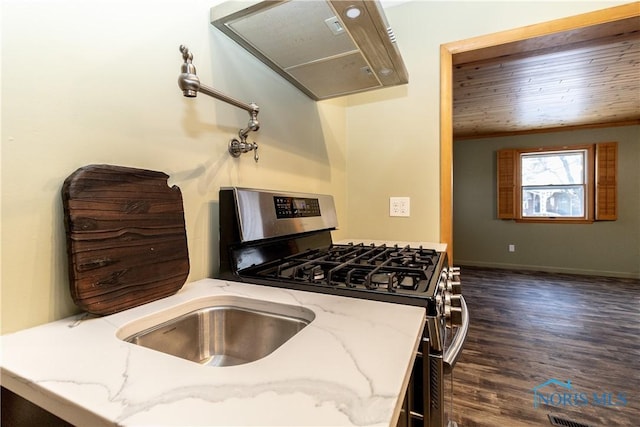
{"x": 188, "y": 80}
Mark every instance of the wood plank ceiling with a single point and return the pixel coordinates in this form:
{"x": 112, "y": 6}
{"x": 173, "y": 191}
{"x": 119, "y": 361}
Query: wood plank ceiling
{"x": 582, "y": 78}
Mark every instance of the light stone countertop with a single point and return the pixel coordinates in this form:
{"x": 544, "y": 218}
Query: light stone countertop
{"x": 349, "y": 366}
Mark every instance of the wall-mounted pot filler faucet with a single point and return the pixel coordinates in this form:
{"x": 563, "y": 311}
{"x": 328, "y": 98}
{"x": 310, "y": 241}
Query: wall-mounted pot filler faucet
{"x": 190, "y": 85}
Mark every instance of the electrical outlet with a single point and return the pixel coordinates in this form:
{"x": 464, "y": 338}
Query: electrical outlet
{"x": 512, "y": 248}
{"x": 399, "y": 206}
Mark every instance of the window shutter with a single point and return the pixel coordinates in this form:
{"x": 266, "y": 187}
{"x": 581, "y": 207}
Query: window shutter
{"x": 606, "y": 181}
{"x": 506, "y": 174}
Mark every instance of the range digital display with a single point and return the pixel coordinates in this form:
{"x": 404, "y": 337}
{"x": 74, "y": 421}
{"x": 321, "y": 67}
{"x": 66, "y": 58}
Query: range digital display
{"x": 296, "y": 207}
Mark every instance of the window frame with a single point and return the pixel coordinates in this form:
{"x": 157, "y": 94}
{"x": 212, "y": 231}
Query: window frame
{"x": 588, "y": 184}
{"x": 600, "y": 192}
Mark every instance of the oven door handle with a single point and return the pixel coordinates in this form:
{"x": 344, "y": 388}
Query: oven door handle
{"x": 455, "y": 349}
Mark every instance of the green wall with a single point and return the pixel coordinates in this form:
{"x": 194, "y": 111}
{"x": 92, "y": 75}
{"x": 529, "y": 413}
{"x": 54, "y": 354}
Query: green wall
{"x": 602, "y": 248}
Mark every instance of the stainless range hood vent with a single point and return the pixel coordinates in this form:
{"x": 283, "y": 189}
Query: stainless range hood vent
{"x": 325, "y": 48}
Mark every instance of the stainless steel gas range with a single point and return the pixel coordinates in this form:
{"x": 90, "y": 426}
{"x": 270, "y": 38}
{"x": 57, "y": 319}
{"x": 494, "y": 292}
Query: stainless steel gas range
{"x": 283, "y": 239}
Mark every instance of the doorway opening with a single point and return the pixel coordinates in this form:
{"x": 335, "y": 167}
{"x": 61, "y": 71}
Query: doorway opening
{"x": 589, "y": 26}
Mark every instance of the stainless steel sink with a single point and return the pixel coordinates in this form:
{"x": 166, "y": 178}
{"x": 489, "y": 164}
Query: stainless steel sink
{"x": 225, "y": 335}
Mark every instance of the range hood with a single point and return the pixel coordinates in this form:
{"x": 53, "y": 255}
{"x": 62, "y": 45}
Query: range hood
{"x": 325, "y": 48}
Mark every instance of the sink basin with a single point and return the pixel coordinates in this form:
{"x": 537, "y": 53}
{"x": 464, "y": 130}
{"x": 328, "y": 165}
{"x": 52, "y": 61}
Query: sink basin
{"x": 224, "y": 333}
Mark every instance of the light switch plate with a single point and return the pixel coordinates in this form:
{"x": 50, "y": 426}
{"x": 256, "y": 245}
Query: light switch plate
{"x": 399, "y": 206}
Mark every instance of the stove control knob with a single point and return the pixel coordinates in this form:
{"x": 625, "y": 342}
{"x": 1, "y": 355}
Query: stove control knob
{"x": 454, "y": 287}
{"x": 439, "y": 305}
{"x": 455, "y": 301}
{"x": 455, "y": 315}
{"x": 444, "y": 273}
{"x": 442, "y": 286}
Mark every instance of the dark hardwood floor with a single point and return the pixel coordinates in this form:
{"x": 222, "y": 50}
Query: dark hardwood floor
{"x": 530, "y": 327}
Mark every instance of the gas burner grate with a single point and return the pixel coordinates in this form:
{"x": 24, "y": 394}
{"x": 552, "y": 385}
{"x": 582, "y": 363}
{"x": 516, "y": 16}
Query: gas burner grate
{"x": 374, "y": 268}
{"x": 564, "y": 422}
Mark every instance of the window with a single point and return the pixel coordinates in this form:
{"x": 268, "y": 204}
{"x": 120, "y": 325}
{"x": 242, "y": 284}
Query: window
{"x": 571, "y": 184}
{"x": 553, "y": 184}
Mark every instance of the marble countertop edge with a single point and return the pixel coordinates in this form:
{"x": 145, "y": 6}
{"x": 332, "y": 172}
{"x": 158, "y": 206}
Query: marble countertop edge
{"x": 349, "y": 366}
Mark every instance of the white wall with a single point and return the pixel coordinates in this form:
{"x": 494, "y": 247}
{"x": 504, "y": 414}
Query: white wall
{"x": 394, "y": 134}
{"x": 87, "y": 82}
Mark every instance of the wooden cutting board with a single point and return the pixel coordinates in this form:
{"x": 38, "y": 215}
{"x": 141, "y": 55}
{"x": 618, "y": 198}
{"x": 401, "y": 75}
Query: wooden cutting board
{"x": 126, "y": 238}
